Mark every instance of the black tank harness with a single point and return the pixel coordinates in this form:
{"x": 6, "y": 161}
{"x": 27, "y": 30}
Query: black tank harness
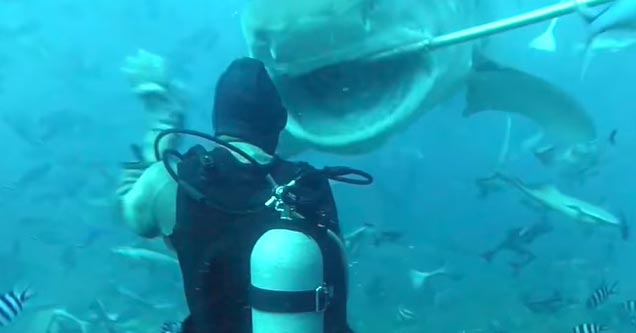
{"x": 224, "y": 206}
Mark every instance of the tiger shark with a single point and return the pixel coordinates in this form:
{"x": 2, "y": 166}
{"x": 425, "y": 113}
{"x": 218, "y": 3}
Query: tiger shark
{"x": 550, "y": 197}
{"x": 351, "y": 73}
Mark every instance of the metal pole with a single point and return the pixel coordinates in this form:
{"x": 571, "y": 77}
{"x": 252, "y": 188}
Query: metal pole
{"x": 492, "y": 28}
{"x": 510, "y": 23}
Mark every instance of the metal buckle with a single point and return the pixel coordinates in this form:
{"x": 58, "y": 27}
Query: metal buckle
{"x": 277, "y": 200}
{"x": 323, "y": 298}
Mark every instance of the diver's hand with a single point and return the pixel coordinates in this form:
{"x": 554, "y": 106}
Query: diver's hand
{"x": 147, "y": 73}
{"x": 150, "y": 80}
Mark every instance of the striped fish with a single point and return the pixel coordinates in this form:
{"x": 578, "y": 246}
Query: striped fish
{"x": 12, "y": 304}
{"x": 589, "y": 328}
{"x": 629, "y": 307}
{"x": 601, "y": 295}
{"x": 405, "y": 315}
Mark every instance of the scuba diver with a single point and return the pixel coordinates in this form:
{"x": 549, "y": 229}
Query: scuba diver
{"x": 257, "y": 237}
{"x": 517, "y": 240}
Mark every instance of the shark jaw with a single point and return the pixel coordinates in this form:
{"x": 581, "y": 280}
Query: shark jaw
{"x": 354, "y": 105}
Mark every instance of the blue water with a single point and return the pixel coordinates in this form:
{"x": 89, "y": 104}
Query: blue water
{"x": 63, "y": 58}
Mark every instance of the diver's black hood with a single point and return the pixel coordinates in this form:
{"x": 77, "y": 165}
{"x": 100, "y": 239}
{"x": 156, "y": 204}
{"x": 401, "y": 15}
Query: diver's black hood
{"x": 248, "y": 106}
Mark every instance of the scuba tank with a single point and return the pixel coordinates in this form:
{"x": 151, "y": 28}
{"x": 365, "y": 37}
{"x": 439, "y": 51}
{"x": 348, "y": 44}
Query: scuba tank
{"x": 288, "y": 290}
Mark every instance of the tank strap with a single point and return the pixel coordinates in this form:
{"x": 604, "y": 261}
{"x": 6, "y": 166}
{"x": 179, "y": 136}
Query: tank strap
{"x": 316, "y": 300}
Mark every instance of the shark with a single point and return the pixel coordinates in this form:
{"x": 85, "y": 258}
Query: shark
{"x": 552, "y": 199}
{"x": 620, "y": 15}
{"x": 611, "y": 28}
{"x": 352, "y": 73}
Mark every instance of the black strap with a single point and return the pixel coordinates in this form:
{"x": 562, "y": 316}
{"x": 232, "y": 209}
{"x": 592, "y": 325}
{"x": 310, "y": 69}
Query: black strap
{"x": 291, "y": 301}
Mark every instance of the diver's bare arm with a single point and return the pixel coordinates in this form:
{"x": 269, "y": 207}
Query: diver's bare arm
{"x": 148, "y": 204}
{"x": 147, "y": 193}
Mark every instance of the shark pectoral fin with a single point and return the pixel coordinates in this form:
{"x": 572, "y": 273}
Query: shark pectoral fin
{"x": 547, "y": 105}
{"x": 488, "y": 88}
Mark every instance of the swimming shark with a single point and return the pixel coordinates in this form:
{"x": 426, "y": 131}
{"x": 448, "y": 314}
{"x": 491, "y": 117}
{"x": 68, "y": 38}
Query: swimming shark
{"x": 550, "y": 197}
{"x": 352, "y": 75}
{"x": 620, "y": 15}
{"x": 617, "y": 18}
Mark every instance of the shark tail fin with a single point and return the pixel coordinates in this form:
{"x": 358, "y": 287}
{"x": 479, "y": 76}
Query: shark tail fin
{"x": 417, "y": 278}
{"x": 546, "y": 41}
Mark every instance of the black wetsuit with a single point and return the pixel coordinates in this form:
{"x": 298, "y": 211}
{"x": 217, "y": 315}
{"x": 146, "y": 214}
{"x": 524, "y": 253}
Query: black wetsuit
{"x": 214, "y": 240}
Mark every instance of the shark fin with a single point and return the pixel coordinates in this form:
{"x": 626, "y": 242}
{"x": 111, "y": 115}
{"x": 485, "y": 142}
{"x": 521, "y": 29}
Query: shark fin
{"x": 534, "y": 98}
{"x": 417, "y": 278}
{"x": 546, "y": 41}
{"x": 588, "y": 14}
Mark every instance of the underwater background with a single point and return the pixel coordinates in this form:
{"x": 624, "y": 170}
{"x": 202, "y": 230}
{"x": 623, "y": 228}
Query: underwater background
{"x": 67, "y": 119}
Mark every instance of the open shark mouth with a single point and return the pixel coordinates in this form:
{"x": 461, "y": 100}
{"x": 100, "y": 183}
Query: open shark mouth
{"x": 353, "y": 105}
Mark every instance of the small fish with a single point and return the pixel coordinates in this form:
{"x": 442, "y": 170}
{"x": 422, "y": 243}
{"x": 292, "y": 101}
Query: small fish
{"x": 612, "y": 137}
{"x": 629, "y": 307}
{"x": 145, "y": 255}
{"x": 517, "y": 240}
{"x": 107, "y": 319}
{"x": 589, "y": 328}
{"x": 550, "y": 305}
{"x": 383, "y": 237}
{"x": 12, "y": 304}
{"x": 601, "y": 295}
{"x": 405, "y": 315}
{"x": 354, "y": 240}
